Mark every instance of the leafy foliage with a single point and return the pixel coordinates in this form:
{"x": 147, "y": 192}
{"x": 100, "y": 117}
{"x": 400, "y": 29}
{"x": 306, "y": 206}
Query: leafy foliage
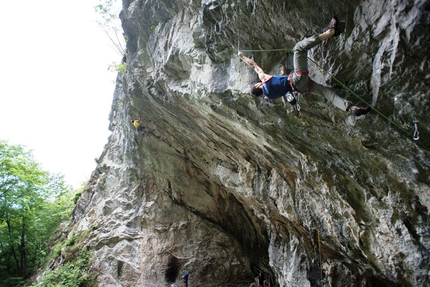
{"x": 119, "y": 68}
{"x": 108, "y": 11}
{"x": 72, "y": 273}
{"x": 32, "y": 204}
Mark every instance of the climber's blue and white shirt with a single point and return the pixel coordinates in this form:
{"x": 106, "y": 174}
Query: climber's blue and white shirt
{"x": 276, "y": 87}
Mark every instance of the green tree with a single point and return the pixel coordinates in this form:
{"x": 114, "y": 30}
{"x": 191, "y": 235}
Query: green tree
{"x": 32, "y": 204}
{"x": 108, "y": 10}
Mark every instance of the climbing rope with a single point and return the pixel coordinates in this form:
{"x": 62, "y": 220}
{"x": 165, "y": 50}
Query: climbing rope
{"x": 356, "y": 95}
{"x": 269, "y": 50}
{"x": 416, "y": 133}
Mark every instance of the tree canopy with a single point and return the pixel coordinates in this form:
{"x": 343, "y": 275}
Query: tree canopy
{"x": 32, "y": 204}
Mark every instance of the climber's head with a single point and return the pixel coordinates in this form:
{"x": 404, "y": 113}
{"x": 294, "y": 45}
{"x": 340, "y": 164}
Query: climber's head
{"x": 257, "y": 89}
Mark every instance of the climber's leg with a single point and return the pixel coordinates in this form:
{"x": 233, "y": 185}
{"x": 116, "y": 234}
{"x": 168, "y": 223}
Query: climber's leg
{"x": 301, "y": 58}
{"x": 301, "y": 48}
{"x": 300, "y": 61}
{"x": 300, "y": 77}
{"x": 330, "y": 95}
{"x": 301, "y": 52}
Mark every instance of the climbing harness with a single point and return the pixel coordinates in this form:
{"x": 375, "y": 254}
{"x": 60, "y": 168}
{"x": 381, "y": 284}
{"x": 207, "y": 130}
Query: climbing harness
{"x": 295, "y": 90}
{"x": 416, "y": 132}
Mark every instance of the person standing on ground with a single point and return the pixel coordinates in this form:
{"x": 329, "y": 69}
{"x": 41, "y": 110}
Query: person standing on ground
{"x": 274, "y": 87}
{"x": 185, "y": 278}
{"x": 261, "y": 279}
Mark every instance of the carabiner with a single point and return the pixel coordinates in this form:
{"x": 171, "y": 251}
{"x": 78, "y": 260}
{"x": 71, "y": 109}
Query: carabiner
{"x": 416, "y": 132}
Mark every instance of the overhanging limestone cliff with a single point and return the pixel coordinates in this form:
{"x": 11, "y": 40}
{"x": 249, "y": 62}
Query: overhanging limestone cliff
{"x": 225, "y": 184}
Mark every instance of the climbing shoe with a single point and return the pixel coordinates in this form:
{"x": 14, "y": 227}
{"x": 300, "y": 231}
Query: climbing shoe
{"x": 338, "y": 26}
{"x": 359, "y": 112}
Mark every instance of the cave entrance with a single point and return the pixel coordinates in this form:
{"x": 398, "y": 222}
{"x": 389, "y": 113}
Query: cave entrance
{"x": 172, "y": 270}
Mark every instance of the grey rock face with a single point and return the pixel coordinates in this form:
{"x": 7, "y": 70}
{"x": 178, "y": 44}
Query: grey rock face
{"x": 224, "y": 184}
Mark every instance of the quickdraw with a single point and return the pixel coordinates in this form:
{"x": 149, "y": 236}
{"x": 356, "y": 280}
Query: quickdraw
{"x": 416, "y": 132}
{"x": 292, "y": 99}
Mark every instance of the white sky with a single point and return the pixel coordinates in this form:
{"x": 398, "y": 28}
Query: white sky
{"x": 55, "y": 89}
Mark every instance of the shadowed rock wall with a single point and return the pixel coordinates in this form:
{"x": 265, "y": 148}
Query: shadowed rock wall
{"x": 224, "y": 184}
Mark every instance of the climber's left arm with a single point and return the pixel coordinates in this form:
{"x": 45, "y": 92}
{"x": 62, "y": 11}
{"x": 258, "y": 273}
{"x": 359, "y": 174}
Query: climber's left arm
{"x": 251, "y": 63}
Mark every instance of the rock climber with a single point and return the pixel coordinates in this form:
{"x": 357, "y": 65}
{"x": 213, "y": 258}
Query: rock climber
{"x": 185, "y": 278}
{"x": 274, "y": 87}
{"x": 138, "y": 125}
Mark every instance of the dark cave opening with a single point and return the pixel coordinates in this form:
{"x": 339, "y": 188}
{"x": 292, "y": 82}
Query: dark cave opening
{"x": 172, "y": 269}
